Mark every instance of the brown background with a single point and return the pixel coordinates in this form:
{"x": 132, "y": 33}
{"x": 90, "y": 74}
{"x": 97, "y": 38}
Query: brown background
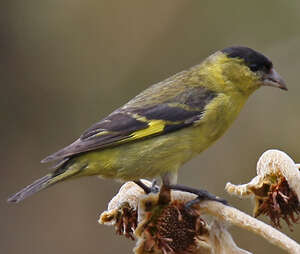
{"x": 66, "y": 64}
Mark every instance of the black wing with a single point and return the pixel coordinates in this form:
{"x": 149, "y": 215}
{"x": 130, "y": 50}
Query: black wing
{"x": 131, "y": 123}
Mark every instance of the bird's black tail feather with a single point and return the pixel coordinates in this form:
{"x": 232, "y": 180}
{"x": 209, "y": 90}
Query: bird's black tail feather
{"x": 29, "y": 190}
{"x": 64, "y": 171}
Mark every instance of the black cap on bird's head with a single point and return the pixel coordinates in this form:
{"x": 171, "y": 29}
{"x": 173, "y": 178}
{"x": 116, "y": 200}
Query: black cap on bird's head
{"x": 258, "y": 63}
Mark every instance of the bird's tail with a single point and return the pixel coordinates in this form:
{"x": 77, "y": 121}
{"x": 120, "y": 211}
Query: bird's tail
{"x": 29, "y": 190}
{"x": 59, "y": 175}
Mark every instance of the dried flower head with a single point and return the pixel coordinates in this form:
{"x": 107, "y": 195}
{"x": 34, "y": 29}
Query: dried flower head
{"x": 170, "y": 228}
{"x": 122, "y": 210}
{"x": 276, "y": 188}
{"x": 281, "y": 203}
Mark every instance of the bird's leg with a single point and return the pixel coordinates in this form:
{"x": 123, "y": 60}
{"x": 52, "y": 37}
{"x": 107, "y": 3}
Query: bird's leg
{"x": 202, "y": 195}
{"x": 169, "y": 182}
{"x": 153, "y": 189}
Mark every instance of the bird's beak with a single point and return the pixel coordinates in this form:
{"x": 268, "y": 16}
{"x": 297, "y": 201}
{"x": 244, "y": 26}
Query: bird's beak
{"x": 274, "y": 79}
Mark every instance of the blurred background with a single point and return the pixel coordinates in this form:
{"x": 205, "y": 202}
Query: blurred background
{"x": 66, "y": 64}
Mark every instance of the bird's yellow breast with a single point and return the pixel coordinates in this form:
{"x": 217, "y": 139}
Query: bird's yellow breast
{"x": 218, "y": 116}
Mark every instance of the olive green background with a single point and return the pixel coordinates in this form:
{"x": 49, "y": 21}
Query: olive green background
{"x": 66, "y": 64}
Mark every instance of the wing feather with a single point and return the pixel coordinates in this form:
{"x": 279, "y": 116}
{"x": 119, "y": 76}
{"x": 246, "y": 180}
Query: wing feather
{"x": 131, "y": 123}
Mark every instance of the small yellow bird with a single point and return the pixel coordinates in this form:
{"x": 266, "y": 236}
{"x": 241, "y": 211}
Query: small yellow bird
{"x": 166, "y": 125}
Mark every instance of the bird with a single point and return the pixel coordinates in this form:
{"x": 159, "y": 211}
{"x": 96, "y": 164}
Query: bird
{"x": 166, "y": 125}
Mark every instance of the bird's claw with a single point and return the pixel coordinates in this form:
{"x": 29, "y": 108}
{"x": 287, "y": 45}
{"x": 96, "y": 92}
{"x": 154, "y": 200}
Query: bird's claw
{"x": 152, "y": 189}
{"x": 205, "y": 195}
{"x": 202, "y": 195}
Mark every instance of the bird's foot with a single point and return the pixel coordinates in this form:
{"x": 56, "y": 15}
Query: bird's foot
{"x": 202, "y": 195}
{"x": 152, "y": 189}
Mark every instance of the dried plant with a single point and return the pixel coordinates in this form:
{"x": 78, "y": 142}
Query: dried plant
{"x": 162, "y": 223}
{"x": 162, "y": 228}
{"x": 276, "y": 188}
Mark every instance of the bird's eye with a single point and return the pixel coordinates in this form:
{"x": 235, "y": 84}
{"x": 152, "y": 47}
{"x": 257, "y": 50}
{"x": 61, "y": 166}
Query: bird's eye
{"x": 254, "y": 67}
{"x": 267, "y": 69}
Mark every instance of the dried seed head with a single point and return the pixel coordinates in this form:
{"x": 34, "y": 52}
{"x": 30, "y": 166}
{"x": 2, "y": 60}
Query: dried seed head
{"x": 170, "y": 229}
{"x": 124, "y": 219}
{"x": 276, "y": 188}
{"x": 122, "y": 210}
{"x": 281, "y": 203}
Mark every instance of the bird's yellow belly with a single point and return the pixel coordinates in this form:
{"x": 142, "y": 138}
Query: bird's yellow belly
{"x": 143, "y": 159}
